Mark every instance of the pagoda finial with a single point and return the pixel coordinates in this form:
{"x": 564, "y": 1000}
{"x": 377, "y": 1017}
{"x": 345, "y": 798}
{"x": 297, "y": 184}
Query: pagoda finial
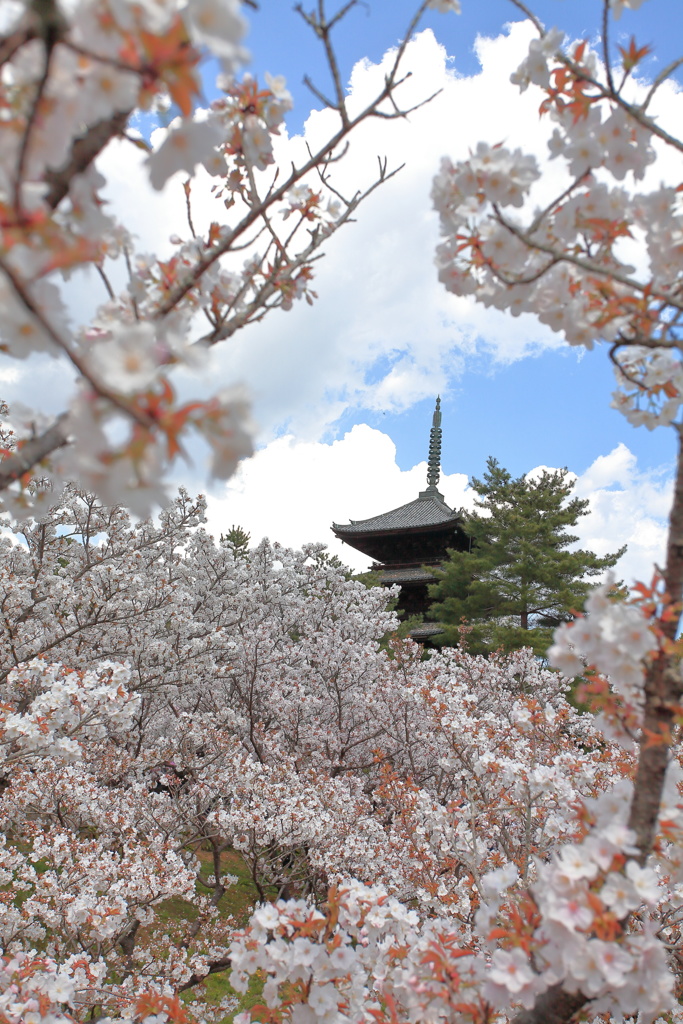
{"x": 434, "y": 460}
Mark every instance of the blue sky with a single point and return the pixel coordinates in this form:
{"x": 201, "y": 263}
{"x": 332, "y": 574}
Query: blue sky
{"x": 552, "y": 408}
{"x": 281, "y": 43}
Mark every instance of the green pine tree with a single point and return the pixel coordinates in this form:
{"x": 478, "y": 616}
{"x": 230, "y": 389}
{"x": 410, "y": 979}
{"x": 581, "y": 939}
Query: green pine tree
{"x": 519, "y": 580}
{"x": 237, "y": 540}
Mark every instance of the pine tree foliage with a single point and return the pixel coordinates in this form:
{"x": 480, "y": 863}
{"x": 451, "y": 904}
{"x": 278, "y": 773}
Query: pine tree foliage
{"x": 519, "y": 579}
{"x": 237, "y": 540}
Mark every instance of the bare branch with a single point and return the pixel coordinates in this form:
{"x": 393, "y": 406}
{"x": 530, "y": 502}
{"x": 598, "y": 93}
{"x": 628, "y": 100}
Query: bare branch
{"x": 228, "y": 242}
{"x": 319, "y": 95}
{"x": 660, "y": 79}
{"x": 107, "y": 283}
{"x": 129, "y": 268}
{"x": 342, "y": 12}
{"x": 409, "y": 110}
{"x": 187, "y": 186}
{"x": 30, "y": 122}
{"x": 214, "y": 967}
{"x": 528, "y": 13}
{"x": 11, "y": 44}
{"x": 306, "y": 256}
{"x": 605, "y": 45}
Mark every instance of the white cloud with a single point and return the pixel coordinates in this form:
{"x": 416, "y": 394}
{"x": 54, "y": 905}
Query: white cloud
{"x": 384, "y": 333}
{"x": 627, "y": 506}
{"x": 293, "y": 491}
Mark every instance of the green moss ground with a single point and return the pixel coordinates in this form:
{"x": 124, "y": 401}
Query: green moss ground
{"x": 238, "y": 901}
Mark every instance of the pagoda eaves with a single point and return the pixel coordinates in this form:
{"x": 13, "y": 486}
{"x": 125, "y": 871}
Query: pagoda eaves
{"x": 384, "y": 537}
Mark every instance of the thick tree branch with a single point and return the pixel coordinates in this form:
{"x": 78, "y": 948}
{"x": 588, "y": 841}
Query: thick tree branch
{"x": 31, "y": 453}
{"x": 84, "y": 150}
{"x": 217, "y": 965}
{"x": 554, "y": 1006}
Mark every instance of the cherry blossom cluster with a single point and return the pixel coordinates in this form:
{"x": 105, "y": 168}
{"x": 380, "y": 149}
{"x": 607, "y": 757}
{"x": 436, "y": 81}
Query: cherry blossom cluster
{"x": 62, "y": 704}
{"x": 34, "y": 988}
{"x": 363, "y": 950}
{"x": 582, "y": 897}
{"x": 317, "y": 751}
{"x": 568, "y": 261}
{"x": 364, "y": 953}
{"x": 70, "y": 84}
{"x": 614, "y": 637}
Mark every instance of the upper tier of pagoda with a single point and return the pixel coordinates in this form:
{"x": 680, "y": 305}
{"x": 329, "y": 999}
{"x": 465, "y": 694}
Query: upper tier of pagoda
{"x": 418, "y": 533}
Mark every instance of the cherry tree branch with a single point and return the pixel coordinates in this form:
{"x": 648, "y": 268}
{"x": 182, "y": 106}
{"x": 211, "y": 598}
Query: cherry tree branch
{"x": 118, "y": 401}
{"x": 662, "y": 695}
{"x": 32, "y": 452}
{"x": 323, "y": 156}
{"x": 214, "y": 967}
{"x": 84, "y": 150}
{"x": 256, "y": 309}
{"x": 588, "y": 265}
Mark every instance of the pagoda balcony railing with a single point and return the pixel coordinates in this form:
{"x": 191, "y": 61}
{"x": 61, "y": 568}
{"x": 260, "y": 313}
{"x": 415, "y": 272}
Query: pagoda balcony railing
{"x": 415, "y": 564}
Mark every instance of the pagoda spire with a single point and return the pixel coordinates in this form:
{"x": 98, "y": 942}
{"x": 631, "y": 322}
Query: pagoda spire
{"x": 434, "y": 460}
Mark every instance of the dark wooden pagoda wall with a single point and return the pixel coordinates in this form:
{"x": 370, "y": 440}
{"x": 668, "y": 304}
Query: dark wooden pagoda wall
{"x": 412, "y": 551}
{"x": 415, "y": 548}
{"x": 413, "y": 599}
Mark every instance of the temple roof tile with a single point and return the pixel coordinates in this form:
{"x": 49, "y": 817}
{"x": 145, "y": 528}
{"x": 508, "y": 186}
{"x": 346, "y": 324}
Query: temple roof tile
{"x": 429, "y": 509}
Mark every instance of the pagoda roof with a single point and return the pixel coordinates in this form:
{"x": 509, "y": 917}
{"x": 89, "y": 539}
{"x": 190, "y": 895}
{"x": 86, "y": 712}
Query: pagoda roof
{"x": 429, "y": 510}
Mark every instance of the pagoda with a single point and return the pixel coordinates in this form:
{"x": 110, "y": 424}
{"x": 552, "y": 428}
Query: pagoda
{"x": 404, "y": 541}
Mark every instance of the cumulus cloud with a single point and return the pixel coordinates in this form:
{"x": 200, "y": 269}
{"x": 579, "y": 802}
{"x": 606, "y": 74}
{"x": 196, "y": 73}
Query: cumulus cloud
{"x": 384, "y": 333}
{"x": 627, "y": 506}
{"x": 293, "y": 491}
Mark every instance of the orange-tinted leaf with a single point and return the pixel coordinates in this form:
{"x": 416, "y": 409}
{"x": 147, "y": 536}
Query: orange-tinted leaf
{"x": 657, "y": 737}
{"x": 633, "y": 55}
{"x": 579, "y": 51}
